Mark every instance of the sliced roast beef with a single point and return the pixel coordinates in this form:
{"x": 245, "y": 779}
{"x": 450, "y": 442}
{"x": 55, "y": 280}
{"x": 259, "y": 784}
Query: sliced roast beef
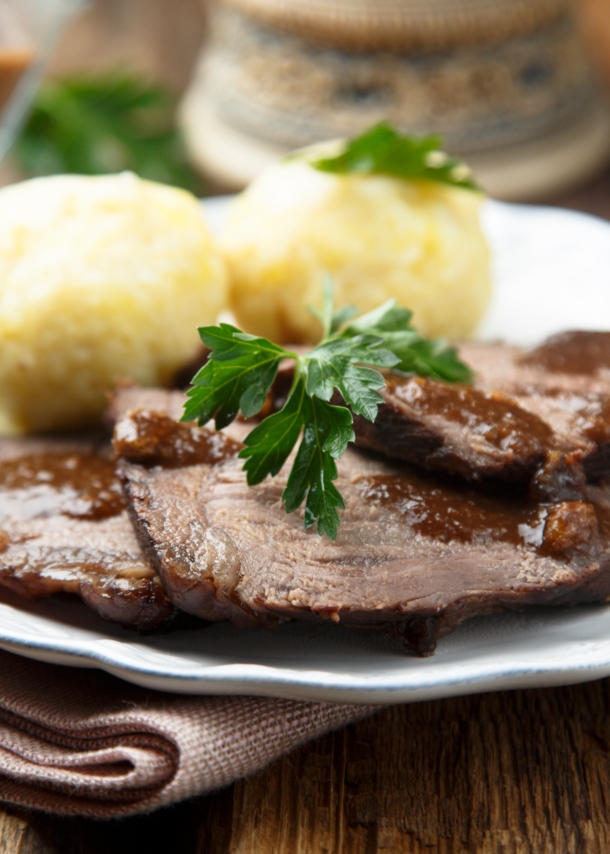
{"x": 517, "y": 371}
{"x": 462, "y": 430}
{"x": 64, "y": 528}
{"x": 518, "y": 423}
{"x": 565, "y": 382}
{"x": 539, "y": 418}
{"x": 414, "y": 556}
{"x": 573, "y": 352}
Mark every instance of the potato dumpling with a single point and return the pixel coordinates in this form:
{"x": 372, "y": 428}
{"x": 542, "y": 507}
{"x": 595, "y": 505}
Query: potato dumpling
{"x": 100, "y": 278}
{"x": 419, "y": 242}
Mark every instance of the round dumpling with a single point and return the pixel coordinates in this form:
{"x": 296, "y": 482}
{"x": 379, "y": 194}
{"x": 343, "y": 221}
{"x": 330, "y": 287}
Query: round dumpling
{"x": 418, "y": 242}
{"x": 101, "y": 278}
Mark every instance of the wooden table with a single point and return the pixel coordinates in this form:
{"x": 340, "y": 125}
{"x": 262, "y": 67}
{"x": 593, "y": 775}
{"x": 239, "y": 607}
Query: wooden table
{"x": 521, "y": 772}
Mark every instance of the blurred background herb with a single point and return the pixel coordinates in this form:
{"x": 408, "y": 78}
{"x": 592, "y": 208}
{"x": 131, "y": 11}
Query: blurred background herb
{"x": 102, "y": 123}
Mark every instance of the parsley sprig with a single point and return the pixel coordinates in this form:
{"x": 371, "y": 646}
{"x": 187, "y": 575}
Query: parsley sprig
{"x": 242, "y": 368}
{"x": 416, "y": 354}
{"x": 381, "y": 150}
{"x": 98, "y": 123}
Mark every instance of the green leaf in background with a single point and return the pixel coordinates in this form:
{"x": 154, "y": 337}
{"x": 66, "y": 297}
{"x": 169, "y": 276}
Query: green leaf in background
{"x": 93, "y": 125}
{"x": 381, "y": 150}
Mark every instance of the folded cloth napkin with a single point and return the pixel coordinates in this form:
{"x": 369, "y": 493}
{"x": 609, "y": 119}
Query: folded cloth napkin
{"x": 81, "y": 742}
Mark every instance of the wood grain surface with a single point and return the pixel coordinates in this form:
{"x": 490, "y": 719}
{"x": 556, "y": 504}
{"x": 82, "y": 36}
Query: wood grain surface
{"x": 524, "y": 771}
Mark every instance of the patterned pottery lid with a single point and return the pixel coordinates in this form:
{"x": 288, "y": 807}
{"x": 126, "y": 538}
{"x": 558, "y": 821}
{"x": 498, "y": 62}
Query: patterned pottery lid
{"x": 414, "y": 25}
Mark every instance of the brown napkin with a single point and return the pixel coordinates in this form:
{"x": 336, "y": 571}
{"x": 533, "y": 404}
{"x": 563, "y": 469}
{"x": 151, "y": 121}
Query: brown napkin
{"x": 81, "y": 742}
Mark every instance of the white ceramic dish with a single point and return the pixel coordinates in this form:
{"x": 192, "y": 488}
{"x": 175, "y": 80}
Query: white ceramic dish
{"x": 552, "y": 272}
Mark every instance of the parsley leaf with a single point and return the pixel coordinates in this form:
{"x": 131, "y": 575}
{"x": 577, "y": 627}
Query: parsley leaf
{"x": 242, "y": 368}
{"x": 327, "y": 431}
{"x": 381, "y": 150}
{"x": 105, "y": 122}
{"x": 335, "y": 364}
{"x": 270, "y": 443}
{"x": 415, "y": 354}
{"x": 238, "y": 375}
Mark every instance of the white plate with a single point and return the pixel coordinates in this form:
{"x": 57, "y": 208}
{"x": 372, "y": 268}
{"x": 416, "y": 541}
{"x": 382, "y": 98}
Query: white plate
{"x": 551, "y": 271}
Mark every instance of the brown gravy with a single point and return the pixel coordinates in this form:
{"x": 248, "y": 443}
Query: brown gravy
{"x": 455, "y": 513}
{"x": 152, "y": 438}
{"x": 575, "y": 352}
{"x": 499, "y": 420}
{"x": 83, "y": 486}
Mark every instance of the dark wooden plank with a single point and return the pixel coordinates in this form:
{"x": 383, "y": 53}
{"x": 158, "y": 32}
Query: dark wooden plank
{"x": 524, "y": 772}
{"x": 170, "y": 831}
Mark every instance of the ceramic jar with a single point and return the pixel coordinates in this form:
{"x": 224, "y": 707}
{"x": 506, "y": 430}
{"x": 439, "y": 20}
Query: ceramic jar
{"x": 506, "y": 83}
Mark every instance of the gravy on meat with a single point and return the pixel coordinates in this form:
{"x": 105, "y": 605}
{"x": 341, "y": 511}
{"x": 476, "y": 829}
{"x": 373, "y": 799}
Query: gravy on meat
{"x": 83, "y": 486}
{"x": 411, "y": 558}
{"x": 64, "y": 528}
{"x": 573, "y": 352}
{"x": 450, "y": 512}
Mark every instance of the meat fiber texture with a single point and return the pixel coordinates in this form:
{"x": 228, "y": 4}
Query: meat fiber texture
{"x": 225, "y": 550}
{"x": 57, "y": 537}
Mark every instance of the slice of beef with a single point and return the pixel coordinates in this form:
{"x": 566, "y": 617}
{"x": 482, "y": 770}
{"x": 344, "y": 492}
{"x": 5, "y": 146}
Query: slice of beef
{"x": 540, "y": 419}
{"x": 64, "y": 529}
{"x": 413, "y": 557}
{"x": 575, "y": 404}
{"x": 479, "y": 435}
{"x": 573, "y": 352}
{"x": 507, "y": 426}
{"x": 518, "y": 371}
{"x": 577, "y": 418}
{"x": 128, "y": 396}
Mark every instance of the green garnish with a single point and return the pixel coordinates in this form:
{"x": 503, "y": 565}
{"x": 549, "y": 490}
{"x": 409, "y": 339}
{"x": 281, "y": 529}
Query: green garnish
{"x": 416, "y": 354}
{"x": 381, "y": 150}
{"x": 95, "y": 124}
{"x": 242, "y": 368}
